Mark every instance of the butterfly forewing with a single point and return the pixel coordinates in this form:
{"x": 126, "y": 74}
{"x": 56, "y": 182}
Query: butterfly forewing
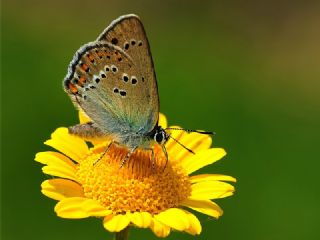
{"x": 127, "y": 32}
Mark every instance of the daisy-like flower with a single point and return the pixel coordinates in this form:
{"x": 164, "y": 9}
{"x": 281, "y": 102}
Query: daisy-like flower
{"x": 138, "y": 194}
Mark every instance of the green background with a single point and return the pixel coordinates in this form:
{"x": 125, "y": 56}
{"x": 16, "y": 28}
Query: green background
{"x": 249, "y": 71}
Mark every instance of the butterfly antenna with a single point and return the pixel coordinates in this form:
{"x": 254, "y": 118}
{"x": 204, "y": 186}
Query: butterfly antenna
{"x": 188, "y": 149}
{"x": 188, "y": 130}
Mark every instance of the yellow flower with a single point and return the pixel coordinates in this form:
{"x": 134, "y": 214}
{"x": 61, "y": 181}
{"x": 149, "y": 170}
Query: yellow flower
{"x": 137, "y": 194}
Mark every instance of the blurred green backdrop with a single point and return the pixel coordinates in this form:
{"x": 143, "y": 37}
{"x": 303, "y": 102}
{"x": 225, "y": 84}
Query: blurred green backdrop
{"x": 249, "y": 71}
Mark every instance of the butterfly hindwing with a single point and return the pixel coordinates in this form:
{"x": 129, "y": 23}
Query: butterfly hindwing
{"x": 106, "y": 84}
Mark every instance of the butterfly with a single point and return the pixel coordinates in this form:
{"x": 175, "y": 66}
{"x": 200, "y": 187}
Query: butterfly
{"x": 113, "y": 81}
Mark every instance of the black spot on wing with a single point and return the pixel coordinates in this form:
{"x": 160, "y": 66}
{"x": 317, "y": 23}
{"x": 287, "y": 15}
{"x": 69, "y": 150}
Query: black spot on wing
{"x": 114, "y": 41}
{"x": 123, "y": 93}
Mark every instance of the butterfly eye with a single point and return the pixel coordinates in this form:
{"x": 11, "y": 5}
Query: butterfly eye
{"x": 159, "y": 137}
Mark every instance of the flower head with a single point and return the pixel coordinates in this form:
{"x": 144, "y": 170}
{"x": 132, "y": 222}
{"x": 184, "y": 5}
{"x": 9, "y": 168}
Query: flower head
{"x": 139, "y": 193}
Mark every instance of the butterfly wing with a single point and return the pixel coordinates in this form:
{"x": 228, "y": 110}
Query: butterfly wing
{"x": 127, "y": 32}
{"x": 106, "y": 83}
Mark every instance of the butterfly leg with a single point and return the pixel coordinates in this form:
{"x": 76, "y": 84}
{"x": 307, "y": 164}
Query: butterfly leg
{"x": 166, "y": 155}
{"x": 153, "y": 160}
{"x": 104, "y": 153}
{"x": 128, "y": 156}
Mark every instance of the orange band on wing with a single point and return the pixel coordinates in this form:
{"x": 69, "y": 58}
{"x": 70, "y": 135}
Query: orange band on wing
{"x": 100, "y": 54}
{"x": 73, "y": 88}
{"x": 84, "y": 67}
{"x": 82, "y": 81}
{"x": 90, "y": 57}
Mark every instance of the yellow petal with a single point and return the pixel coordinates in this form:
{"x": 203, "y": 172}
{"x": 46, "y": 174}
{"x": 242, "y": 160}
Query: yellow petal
{"x": 57, "y": 165}
{"x": 83, "y": 118}
{"x": 159, "y": 229}
{"x": 195, "y": 226}
{"x": 174, "y": 218}
{"x": 194, "y": 141}
{"x": 211, "y": 190}
{"x": 60, "y": 172}
{"x": 116, "y": 223}
{"x": 140, "y": 219}
{"x": 204, "y": 206}
{"x": 79, "y": 207}
{"x": 72, "y": 146}
{"x": 162, "y": 120}
{"x": 55, "y": 159}
{"x": 211, "y": 177}
{"x": 98, "y": 141}
{"x": 202, "y": 159}
{"x": 52, "y": 158}
{"x": 59, "y": 189}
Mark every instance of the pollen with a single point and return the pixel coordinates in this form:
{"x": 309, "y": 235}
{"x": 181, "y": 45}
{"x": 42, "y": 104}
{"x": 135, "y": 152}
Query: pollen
{"x": 138, "y": 186}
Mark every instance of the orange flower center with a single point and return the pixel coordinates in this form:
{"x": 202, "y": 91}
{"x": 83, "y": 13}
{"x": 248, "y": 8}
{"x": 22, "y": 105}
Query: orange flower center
{"x": 137, "y": 186}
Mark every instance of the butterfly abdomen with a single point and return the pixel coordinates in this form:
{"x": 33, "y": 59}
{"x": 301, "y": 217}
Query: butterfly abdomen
{"x": 87, "y": 130}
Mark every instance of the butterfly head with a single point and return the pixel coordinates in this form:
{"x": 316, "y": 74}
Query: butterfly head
{"x": 159, "y": 135}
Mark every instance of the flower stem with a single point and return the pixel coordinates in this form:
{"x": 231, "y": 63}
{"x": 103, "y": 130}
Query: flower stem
{"x": 123, "y": 234}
